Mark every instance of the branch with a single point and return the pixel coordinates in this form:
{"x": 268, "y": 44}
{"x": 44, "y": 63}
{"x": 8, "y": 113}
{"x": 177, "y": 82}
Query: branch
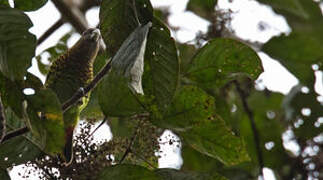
{"x": 128, "y": 150}
{"x": 15, "y": 133}
{"x": 2, "y": 122}
{"x": 88, "y": 88}
{"x": 68, "y": 103}
{"x": 72, "y": 14}
{"x": 256, "y": 136}
{"x": 50, "y": 31}
{"x": 83, "y": 8}
{"x": 101, "y": 124}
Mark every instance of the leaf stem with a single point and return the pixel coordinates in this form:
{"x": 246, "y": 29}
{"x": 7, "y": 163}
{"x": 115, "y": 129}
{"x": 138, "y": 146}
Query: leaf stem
{"x": 128, "y": 150}
{"x": 256, "y": 135}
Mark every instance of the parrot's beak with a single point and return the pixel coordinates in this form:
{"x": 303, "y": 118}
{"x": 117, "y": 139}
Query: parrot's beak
{"x": 95, "y": 35}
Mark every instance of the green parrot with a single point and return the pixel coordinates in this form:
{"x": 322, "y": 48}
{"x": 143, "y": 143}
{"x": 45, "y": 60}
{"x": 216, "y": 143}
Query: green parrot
{"x": 69, "y": 73}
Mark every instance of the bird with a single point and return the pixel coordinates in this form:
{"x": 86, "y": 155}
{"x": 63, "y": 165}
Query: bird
{"x": 68, "y": 74}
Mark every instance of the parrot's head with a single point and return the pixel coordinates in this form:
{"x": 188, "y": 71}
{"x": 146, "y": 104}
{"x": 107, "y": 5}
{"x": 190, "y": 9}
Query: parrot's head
{"x": 88, "y": 45}
{"x": 92, "y": 34}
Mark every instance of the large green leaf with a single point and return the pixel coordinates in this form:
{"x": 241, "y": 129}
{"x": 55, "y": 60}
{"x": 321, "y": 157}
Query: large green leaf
{"x": 122, "y": 127}
{"x": 20, "y": 149}
{"x": 4, "y": 174}
{"x": 17, "y": 45}
{"x": 117, "y": 20}
{"x": 118, "y": 90}
{"x": 30, "y": 5}
{"x": 46, "y": 120}
{"x": 173, "y": 174}
{"x": 214, "y": 139}
{"x": 161, "y": 74}
{"x": 203, "y": 8}
{"x": 196, "y": 161}
{"x": 220, "y": 60}
{"x": 128, "y": 172}
{"x": 190, "y": 106}
{"x": 186, "y": 53}
{"x": 298, "y": 52}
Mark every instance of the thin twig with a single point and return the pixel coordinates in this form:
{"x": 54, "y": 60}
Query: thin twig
{"x": 143, "y": 159}
{"x": 132, "y": 140}
{"x": 256, "y": 134}
{"x": 101, "y": 124}
{"x": 50, "y": 31}
{"x": 83, "y": 8}
{"x": 2, "y": 122}
{"x": 46, "y": 171}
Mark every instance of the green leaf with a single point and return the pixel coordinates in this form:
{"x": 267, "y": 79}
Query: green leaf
{"x": 117, "y": 20}
{"x": 20, "y": 149}
{"x": 298, "y": 52}
{"x": 11, "y": 95}
{"x": 46, "y": 120}
{"x": 4, "y": 174}
{"x": 4, "y": 3}
{"x": 161, "y": 73}
{"x": 190, "y": 106}
{"x": 186, "y": 53}
{"x": 173, "y": 174}
{"x": 17, "y": 45}
{"x": 301, "y": 15}
{"x": 118, "y": 90}
{"x": 30, "y": 5}
{"x": 203, "y": 8}
{"x": 121, "y": 127}
{"x": 127, "y": 172}
{"x": 214, "y": 139}
{"x": 196, "y": 161}
{"x": 288, "y": 6}
{"x": 220, "y": 60}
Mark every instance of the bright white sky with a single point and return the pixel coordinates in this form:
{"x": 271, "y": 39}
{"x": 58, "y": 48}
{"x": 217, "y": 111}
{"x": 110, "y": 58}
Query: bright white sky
{"x": 247, "y": 15}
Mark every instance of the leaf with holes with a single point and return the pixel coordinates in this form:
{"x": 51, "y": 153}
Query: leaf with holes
{"x": 161, "y": 74}
{"x": 190, "y": 106}
{"x": 220, "y": 61}
{"x": 214, "y": 138}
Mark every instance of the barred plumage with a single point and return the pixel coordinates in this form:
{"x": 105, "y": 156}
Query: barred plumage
{"x": 68, "y": 74}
